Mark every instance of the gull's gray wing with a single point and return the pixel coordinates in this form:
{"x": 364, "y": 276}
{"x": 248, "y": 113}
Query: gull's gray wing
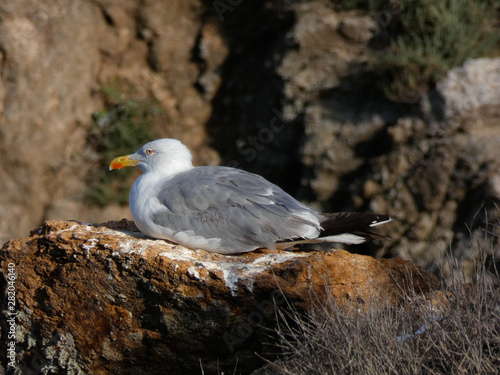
{"x": 242, "y": 209}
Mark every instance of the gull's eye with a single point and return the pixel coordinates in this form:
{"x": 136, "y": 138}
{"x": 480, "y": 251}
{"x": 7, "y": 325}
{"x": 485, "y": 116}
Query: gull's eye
{"x": 149, "y": 151}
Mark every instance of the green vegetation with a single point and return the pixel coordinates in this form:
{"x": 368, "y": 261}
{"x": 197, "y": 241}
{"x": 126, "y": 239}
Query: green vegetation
{"x": 457, "y": 332}
{"x": 122, "y": 127}
{"x": 424, "y": 39}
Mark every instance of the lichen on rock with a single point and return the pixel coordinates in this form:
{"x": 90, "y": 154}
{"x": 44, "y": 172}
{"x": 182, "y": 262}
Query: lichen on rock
{"x": 102, "y": 298}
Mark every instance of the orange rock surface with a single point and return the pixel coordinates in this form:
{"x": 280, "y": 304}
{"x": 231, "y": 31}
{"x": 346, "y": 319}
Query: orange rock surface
{"x": 105, "y": 299}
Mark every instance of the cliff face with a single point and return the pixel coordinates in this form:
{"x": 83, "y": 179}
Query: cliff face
{"x": 277, "y": 88}
{"x": 104, "y": 299}
{"x": 55, "y": 57}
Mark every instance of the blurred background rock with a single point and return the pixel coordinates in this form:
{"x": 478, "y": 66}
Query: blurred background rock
{"x": 384, "y": 106}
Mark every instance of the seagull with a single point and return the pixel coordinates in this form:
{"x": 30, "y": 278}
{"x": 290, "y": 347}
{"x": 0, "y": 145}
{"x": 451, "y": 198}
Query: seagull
{"x": 227, "y": 210}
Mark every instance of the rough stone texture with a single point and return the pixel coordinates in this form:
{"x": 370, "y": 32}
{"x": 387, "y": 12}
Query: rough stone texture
{"x": 471, "y": 89}
{"x": 434, "y": 170}
{"x": 55, "y": 57}
{"x": 441, "y": 189}
{"x": 104, "y": 299}
{"x": 440, "y": 177}
{"x": 45, "y": 97}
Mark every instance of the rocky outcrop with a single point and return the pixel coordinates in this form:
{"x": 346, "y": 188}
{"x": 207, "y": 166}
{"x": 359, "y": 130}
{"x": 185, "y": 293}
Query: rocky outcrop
{"x": 105, "y": 299}
{"x": 471, "y": 91}
{"x": 440, "y": 177}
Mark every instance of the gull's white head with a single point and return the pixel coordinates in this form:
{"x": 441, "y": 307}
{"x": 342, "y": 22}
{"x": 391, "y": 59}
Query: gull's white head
{"x": 163, "y": 157}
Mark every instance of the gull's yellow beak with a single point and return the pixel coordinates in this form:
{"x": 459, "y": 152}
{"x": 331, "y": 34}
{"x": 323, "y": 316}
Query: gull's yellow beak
{"x": 123, "y": 161}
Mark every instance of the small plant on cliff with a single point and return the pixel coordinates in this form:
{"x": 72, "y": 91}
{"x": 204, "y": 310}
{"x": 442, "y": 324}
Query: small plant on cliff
{"x": 421, "y": 40}
{"x": 123, "y": 126}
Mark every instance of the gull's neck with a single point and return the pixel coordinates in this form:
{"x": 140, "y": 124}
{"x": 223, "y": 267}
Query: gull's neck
{"x": 147, "y": 185}
{"x": 171, "y": 168}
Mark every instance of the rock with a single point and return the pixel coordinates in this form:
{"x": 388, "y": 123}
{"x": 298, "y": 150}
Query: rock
{"x": 54, "y": 61}
{"x": 105, "y": 299}
{"x": 471, "y": 88}
{"x": 435, "y": 172}
{"x": 45, "y": 95}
